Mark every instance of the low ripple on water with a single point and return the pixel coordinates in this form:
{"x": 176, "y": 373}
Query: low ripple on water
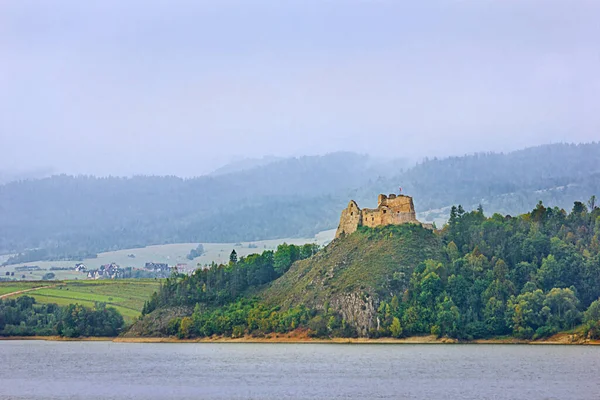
{"x": 106, "y": 370}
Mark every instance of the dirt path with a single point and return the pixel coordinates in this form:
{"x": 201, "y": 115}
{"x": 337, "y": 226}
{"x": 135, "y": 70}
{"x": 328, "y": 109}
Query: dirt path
{"x": 26, "y": 290}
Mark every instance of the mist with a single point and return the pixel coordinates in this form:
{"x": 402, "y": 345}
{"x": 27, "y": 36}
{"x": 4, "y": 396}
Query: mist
{"x": 156, "y": 87}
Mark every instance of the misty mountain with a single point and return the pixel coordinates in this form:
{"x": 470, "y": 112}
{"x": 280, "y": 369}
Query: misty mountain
{"x": 83, "y": 214}
{"x": 557, "y": 174}
{"x": 68, "y": 217}
{"x": 10, "y": 175}
{"x": 245, "y": 164}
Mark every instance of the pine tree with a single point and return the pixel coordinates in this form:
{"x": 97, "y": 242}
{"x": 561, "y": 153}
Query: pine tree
{"x": 233, "y": 259}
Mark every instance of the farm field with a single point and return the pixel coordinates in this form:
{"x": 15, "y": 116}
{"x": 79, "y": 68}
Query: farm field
{"x": 126, "y": 295}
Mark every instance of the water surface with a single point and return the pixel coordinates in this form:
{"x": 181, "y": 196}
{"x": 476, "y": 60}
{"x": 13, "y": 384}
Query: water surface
{"x": 106, "y": 370}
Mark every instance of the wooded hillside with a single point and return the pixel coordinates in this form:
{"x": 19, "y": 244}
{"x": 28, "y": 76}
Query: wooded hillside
{"x": 66, "y": 217}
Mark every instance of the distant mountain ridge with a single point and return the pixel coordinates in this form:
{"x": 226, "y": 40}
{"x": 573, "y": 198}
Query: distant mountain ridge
{"x": 244, "y": 164}
{"x": 508, "y": 183}
{"x": 67, "y": 217}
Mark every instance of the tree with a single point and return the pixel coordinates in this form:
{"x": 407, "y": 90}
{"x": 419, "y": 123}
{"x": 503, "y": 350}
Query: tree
{"x": 524, "y": 314}
{"x": 448, "y": 318}
{"x": 185, "y": 327}
{"x": 592, "y": 203}
{"x": 522, "y": 273}
{"x": 592, "y": 314}
{"x": 284, "y": 257}
{"x": 549, "y": 275}
{"x": 48, "y": 276}
{"x": 494, "y": 316}
{"x": 394, "y": 304}
{"x": 233, "y": 258}
{"x": 452, "y": 251}
{"x": 430, "y": 288}
{"x": 197, "y": 252}
{"x": 453, "y": 217}
{"x": 563, "y": 312}
{"x": 579, "y": 208}
{"x": 591, "y": 319}
{"x": 539, "y": 213}
{"x": 396, "y": 328}
{"x": 308, "y": 250}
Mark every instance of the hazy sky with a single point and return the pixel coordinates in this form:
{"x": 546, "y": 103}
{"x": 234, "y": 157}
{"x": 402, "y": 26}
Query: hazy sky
{"x": 179, "y": 87}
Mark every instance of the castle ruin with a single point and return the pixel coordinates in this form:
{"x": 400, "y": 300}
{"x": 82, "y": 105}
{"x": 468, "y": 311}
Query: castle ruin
{"x": 391, "y": 210}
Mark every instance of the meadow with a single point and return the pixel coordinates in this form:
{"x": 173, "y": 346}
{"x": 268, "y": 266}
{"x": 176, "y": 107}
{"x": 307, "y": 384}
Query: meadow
{"x": 126, "y": 295}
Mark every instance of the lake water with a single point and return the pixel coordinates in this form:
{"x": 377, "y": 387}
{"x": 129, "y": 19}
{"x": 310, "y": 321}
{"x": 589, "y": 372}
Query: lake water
{"x": 106, "y": 370}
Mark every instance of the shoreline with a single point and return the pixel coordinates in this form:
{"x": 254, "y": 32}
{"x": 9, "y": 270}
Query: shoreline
{"x": 559, "y": 339}
{"x": 59, "y": 338}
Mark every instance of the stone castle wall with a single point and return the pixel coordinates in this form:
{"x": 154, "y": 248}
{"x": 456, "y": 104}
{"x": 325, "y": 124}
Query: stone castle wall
{"x": 350, "y": 220}
{"x": 391, "y": 210}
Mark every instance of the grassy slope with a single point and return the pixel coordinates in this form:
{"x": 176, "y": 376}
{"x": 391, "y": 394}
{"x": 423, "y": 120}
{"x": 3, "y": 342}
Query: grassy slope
{"x": 127, "y": 296}
{"x": 364, "y": 261}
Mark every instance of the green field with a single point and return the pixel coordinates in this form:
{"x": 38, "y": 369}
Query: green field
{"x": 127, "y": 295}
{"x": 15, "y": 286}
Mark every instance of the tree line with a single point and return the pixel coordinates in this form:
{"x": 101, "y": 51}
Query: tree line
{"x": 217, "y": 285}
{"x": 24, "y": 317}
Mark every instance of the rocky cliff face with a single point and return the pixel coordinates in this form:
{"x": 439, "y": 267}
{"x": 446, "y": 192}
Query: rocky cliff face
{"x": 358, "y": 309}
{"x": 155, "y": 324}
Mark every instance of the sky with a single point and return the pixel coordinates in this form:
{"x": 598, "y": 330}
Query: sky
{"x": 182, "y": 87}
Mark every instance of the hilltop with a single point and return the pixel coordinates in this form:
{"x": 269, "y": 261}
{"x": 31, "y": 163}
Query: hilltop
{"x": 526, "y": 277}
{"x": 353, "y": 273}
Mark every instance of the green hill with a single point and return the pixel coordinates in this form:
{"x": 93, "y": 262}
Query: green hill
{"x": 354, "y": 272}
{"x": 528, "y": 276}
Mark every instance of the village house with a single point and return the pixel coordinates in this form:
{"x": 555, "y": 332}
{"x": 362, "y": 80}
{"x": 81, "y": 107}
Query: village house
{"x": 107, "y": 271}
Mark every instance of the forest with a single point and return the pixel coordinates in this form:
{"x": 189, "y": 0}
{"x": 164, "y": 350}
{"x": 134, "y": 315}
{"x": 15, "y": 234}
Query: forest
{"x": 71, "y": 218}
{"x": 222, "y": 284}
{"x": 24, "y": 317}
{"x": 527, "y": 276}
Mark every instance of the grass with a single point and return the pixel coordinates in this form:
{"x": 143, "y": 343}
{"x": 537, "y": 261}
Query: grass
{"x": 15, "y": 286}
{"x": 361, "y": 263}
{"x": 126, "y": 295}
